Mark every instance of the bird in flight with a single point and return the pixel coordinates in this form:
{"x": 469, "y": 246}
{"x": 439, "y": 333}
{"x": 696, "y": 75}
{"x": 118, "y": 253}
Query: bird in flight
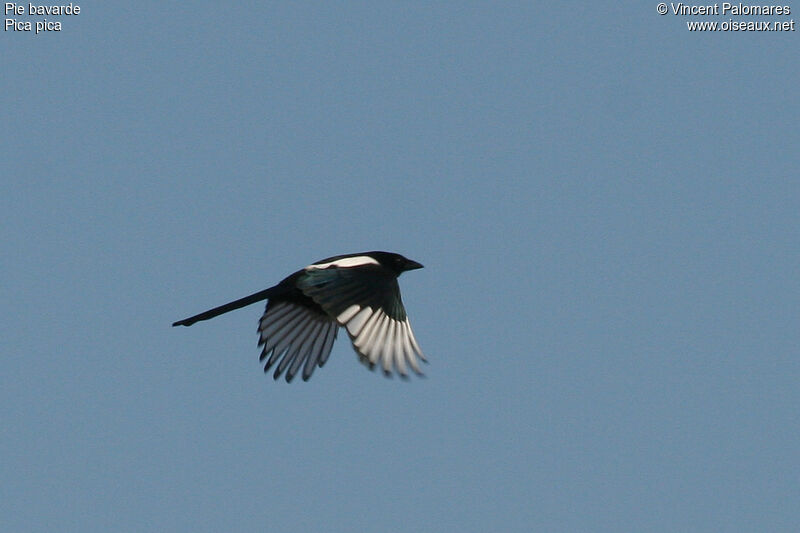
{"x": 304, "y": 312}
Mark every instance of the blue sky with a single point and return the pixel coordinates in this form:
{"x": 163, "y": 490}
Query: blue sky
{"x": 607, "y": 206}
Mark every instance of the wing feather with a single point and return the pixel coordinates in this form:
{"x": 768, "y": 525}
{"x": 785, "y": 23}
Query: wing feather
{"x": 330, "y": 336}
{"x": 304, "y": 351}
{"x": 293, "y": 334}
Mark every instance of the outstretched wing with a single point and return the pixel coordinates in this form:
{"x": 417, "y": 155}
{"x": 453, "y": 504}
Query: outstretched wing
{"x": 297, "y": 336}
{"x": 367, "y": 302}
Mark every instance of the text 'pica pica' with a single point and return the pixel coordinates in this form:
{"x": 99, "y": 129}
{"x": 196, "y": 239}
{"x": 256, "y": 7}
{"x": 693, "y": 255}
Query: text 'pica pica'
{"x": 305, "y": 310}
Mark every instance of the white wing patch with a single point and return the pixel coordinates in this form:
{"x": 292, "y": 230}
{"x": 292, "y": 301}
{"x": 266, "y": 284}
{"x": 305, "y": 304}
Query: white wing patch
{"x": 381, "y": 340}
{"x": 357, "y": 322}
{"x": 348, "y": 313}
{"x": 297, "y": 337}
{"x": 347, "y": 262}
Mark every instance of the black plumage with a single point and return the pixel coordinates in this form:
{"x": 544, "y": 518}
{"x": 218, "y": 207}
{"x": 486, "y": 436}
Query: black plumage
{"x": 305, "y": 310}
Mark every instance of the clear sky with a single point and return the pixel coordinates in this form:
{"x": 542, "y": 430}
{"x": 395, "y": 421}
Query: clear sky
{"x": 607, "y": 206}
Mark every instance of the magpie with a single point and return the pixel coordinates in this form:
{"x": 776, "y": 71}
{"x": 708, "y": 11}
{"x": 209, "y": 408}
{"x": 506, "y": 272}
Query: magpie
{"x": 305, "y": 310}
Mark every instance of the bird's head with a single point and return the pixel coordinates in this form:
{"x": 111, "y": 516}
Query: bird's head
{"x": 395, "y": 262}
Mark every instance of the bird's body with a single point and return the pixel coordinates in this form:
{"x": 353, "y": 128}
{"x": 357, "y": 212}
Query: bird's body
{"x": 306, "y": 309}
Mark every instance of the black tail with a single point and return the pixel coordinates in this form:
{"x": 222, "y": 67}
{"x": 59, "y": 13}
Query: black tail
{"x": 211, "y": 313}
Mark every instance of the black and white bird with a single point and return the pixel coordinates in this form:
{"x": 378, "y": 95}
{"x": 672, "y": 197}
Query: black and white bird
{"x": 305, "y": 310}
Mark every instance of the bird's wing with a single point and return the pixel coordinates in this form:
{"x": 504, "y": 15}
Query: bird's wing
{"x": 297, "y": 335}
{"x": 367, "y": 302}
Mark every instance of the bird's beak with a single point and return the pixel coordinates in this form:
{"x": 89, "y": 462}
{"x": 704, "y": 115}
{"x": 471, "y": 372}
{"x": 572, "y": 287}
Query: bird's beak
{"x": 412, "y": 265}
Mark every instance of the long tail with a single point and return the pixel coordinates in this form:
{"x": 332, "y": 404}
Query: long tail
{"x": 211, "y": 313}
